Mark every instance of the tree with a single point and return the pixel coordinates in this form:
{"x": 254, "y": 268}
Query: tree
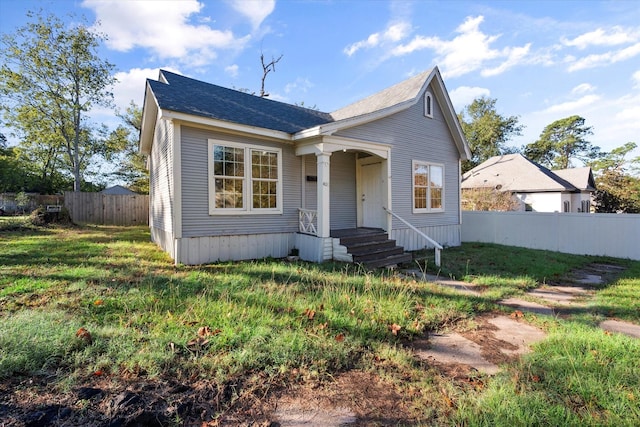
{"x": 50, "y": 80}
{"x": 266, "y": 69}
{"x": 489, "y": 199}
{"x": 617, "y": 189}
{"x": 133, "y": 167}
{"x": 561, "y": 142}
{"x": 486, "y": 131}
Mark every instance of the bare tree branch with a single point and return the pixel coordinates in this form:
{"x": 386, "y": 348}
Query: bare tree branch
{"x": 266, "y": 69}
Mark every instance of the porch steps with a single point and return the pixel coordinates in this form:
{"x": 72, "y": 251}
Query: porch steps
{"x": 372, "y": 247}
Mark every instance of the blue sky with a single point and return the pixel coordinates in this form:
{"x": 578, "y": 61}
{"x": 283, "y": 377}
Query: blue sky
{"x": 542, "y": 60}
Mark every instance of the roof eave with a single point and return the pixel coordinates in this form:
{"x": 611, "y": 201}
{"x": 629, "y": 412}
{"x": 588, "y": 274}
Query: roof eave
{"x": 227, "y": 125}
{"x": 149, "y": 117}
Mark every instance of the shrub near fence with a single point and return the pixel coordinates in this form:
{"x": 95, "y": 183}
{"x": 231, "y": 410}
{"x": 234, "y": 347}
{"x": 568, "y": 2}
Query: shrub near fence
{"x": 107, "y": 209}
{"x": 615, "y": 235}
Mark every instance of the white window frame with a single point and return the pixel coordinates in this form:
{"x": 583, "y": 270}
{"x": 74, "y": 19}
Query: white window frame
{"x": 247, "y": 187}
{"x": 428, "y": 209}
{"x": 428, "y": 104}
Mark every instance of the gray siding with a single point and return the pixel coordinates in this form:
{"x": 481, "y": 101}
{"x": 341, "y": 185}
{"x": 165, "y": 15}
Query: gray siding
{"x": 415, "y": 137}
{"x": 196, "y": 220}
{"x": 343, "y": 191}
{"x": 161, "y": 178}
{"x": 311, "y": 187}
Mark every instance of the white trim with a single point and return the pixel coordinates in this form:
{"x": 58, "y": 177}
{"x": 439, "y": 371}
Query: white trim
{"x": 177, "y": 180}
{"x": 330, "y": 144}
{"x": 428, "y": 104}
{"x": 428, "y": 209}
{"x": 331, "y": 128}
{"x": 228, "y": 126}
{"x": 247, "y": 194}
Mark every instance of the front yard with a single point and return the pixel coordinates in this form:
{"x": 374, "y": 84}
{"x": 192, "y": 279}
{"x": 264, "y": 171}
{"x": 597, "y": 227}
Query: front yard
{"x": 97, "y": 325}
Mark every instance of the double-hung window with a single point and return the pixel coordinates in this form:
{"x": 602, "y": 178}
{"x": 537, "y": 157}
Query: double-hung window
{"x": 428, "y": 187}
{"x": 244, "y": 179}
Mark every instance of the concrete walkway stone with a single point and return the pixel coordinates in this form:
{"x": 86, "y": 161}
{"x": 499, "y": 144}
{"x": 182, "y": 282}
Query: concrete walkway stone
{"x": 626, "y": 328}
{"x": 520, "y": 334}
{"x": 454, "y": 348}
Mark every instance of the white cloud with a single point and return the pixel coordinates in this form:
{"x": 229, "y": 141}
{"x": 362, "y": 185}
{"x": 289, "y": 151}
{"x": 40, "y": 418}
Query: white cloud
{"x": 604, "y": 59}
{"x": 582, "y": 88}
{"x": 603, "y": 37}
{"x": 130, "y": 85}
{"x": 255, "y": 10}
{"x": 515, "y": 56}
{"x": 573, "y": 107}
{"x": 232, "y": 70}
{"x": 165, "y": 30}
{"x": 464, "y": 95}
{"x": 393, "y": 33}
{"x": 467, "y": 52}
{"x": 636, "y": 79}
{"x": 301, "y": 85}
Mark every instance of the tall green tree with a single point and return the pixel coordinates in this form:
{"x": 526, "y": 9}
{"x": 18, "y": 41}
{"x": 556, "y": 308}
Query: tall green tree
{"x": 50, "y": 80}
{"x": 618, "y": 190}
{"x": 562, "y": 142}
{"x": 486, "y": 131}
{"x": 132, "y": 165}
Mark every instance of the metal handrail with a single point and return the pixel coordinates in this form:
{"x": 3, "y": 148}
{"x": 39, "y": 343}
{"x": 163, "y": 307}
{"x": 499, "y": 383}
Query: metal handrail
{"x": 438, "y": 247}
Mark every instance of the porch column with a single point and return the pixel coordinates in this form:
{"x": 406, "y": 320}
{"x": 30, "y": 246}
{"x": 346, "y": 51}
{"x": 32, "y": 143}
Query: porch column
{"x": 323, "y": 170}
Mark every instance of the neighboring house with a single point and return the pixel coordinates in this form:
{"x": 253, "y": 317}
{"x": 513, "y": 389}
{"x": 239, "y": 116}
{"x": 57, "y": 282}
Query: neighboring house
{"x": 117, "y": 190}
{"x": 235, "y": 176}
{"x": 537, "y": 188}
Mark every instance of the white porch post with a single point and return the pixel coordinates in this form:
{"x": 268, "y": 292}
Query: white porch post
{"x": 323, "y": 163}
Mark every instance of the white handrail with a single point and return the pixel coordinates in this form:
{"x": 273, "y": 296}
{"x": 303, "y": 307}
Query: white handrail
{"x": 438, "y": 246}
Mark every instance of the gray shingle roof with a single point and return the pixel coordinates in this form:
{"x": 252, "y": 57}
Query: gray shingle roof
{"x": 185, "y": 95}
{"x": 404, "y": 91}
{"x": 581, "y": 178}
{"x": 516, "y": 173}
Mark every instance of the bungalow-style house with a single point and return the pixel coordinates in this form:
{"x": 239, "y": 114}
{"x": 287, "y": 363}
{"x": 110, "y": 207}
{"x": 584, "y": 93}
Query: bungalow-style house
{"x": 235, "y": 176}
{"x": 537, "y": 188}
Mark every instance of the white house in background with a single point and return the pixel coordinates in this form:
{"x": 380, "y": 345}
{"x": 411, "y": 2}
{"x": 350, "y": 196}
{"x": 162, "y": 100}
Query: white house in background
{"x": 235, "y": 176}
{"x": 537, "y": 188}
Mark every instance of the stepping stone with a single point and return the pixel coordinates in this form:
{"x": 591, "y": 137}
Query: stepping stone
{"x": 589, "y": 279}
{"x": 565, "y": 295}
{"x": 517, "y": 333}
{"x": 300, "y": 413}
{"x": 528, "y": 306}
{"x": 626, "y": 328}
{"x": 454, "y": 348}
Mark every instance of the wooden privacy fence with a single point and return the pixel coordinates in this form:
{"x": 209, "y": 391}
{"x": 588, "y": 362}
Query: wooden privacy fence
{"x": 616, "y": 235}
{"x": 107, "y": 209}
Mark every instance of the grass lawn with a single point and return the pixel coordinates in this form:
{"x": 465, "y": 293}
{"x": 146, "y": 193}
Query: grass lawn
{"x": 93, "y": 303}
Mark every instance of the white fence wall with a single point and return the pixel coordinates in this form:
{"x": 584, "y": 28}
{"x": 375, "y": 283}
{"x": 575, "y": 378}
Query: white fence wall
{"x": 575, "y": 233}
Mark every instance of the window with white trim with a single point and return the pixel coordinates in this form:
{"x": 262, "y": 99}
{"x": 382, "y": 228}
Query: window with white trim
{"x": 428, "y": 104}
{"x": 428, "y": 187}
{"x": 244, "y": 178}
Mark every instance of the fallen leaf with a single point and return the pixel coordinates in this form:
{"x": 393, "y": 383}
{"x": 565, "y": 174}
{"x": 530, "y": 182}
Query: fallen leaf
{"x": 322, "y": 325}
{"x": 84, "y": 335}
{"x": 340, "y": 337}
{"x": 607, "y": 332}
{"x": 310, "y": 314}
{"x": 98, "y": 373}
{"x": 517, "y": 313}
{"x": 197, "y": 343}
{"x": 98, "y": 302}
{"x": 535, "y": 378}
{"x": 205, "y": 331}
{"x": 395, "y": 328}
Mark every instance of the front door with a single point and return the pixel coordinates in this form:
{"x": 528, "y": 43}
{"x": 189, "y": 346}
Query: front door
{"x": 372, "y": 196}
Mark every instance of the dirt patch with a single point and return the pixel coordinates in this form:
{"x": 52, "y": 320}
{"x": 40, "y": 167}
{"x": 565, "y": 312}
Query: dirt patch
{"x": 351, "y": 398}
